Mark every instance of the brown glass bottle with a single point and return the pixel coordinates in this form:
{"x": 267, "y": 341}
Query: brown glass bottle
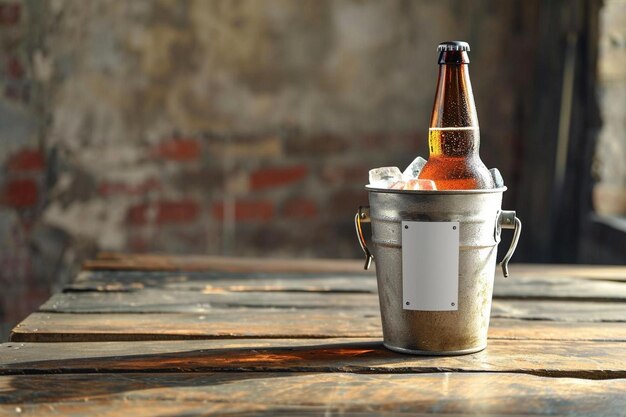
{"x": 454, "y": 136}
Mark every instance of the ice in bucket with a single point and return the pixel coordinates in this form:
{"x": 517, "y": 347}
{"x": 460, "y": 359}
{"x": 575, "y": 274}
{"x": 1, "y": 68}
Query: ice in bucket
{"x": 414, "y": 168}
{"x": 419, "y": 185}
{"x": 384, "y": 177}
{"x": 498, "y": 181}
{"x": 392, "y": 178}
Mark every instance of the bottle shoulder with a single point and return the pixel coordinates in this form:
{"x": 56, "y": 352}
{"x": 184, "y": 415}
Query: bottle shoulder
{"x": 457, "y": 173}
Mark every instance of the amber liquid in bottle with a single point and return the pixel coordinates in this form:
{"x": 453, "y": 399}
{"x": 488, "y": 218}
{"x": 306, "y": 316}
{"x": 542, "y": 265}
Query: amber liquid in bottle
{"x": 454, "y": 135}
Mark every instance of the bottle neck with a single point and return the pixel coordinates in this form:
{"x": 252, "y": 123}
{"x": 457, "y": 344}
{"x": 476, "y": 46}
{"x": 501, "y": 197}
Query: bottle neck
{"x": 454, "y": 100}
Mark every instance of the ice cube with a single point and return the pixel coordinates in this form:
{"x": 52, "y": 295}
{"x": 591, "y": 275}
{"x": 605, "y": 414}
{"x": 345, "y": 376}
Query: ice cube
{"x": 497, "y": 178}
{"x": 414, "y": 168}
{"x": 420, "y": 185}
{"x": 398, "y": 185}
{"x": 384, "y": 177}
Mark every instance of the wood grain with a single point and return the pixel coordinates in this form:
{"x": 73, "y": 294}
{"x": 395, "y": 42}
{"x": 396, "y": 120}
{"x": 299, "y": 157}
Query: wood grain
{"x": 518, "y": 287}
{"x": 526, "y": 287}
{"x": 122, "y": 261}
{"x": 131, "y": 262}
{"x": 593, "y": 272}
{"x": 216, "y": 324}
{"x": 282, "y": 394}
{"x": 560, "y": 310}
{"x": 50, "y": 327}
{"x": 144, "y": 335}
{"x": 594, "y": 360}
{"x": 161, "y": 301}
{"x": 221, "y": 282}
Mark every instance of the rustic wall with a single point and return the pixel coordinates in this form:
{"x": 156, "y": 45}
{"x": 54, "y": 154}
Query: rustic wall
{"x": 610, "y": 165}
{"x": 224, "y": 127}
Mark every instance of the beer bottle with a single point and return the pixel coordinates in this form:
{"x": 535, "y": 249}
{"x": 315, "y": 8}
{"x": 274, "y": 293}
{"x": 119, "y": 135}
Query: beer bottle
{"x": 454, "y": 136}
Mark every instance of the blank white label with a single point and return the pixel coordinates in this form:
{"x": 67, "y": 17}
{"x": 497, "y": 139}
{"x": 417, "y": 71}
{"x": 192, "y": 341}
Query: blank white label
{"x": 430, "y": 266}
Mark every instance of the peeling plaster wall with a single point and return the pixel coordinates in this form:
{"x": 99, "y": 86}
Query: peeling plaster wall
{"x": 221, "y": 127}
{"x": 611, "y": 148}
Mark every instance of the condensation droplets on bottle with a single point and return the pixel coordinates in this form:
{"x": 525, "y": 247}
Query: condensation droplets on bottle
{"x": 454, "y": 135}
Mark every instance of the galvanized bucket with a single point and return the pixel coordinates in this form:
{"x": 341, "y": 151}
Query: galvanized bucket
{"x": 474, "y": 219}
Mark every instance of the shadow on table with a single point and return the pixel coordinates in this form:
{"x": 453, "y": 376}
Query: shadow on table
{"x": 176, "y": 369}
{"x": 320, "y": 379}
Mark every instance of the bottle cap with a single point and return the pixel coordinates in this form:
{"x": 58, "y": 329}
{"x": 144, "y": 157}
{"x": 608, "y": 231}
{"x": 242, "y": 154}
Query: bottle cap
{"x": 453, "y": 46}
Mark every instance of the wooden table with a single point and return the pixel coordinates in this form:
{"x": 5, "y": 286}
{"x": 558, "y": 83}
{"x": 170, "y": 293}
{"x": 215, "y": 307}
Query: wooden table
{"x": 148, "y": 335}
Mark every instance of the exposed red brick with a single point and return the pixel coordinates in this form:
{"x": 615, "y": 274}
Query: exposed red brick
{"x": 138, "y": 244}
{"x": 274, "y": 177}
{"x": 20, "y": 193}
{"x": 137, "y": 214}
{"x": 167, "y": 212}
{"x": 300, "y": 208}
{"x": 17, "y": 91}
{"x": 14, "y": 68}
{"x": 107, "y": 189}
{"x": 257, "y": 210}
{"x": 26, "y": 160}
{"x": 184, "y": 211}
{"x": 334, "y": 174}
{"x": 10, "y": 13}
{"x": 181, "y": 150}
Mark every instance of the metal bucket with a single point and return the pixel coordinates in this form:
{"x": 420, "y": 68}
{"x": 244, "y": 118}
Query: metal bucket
{"x": 461, "y": 327}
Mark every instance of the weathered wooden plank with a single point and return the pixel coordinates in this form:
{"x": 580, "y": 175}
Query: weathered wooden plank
{"x": 119, "y": 405}
{"x": 558, "y": 288}
{"x": 242, "y": 323}
{"x": 220, "y": 282}
{"x": 555, "y": 330}
{"x": 518, "y": 287}
{"x": 216, "y": 324}
{"x": 218, "y": 263}
{"x": 150, "y": 408}
{"x": 160, "y": 301}
{"x": 123, "y": 261}
{"x": 595, "y": 360}
{"x": 592, "y": 272}
{"x": 560, "y": 310}
{"x": 272, "y": 394}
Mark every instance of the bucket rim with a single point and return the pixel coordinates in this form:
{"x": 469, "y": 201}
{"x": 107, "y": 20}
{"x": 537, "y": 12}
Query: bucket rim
{"x": 435, "y": 192}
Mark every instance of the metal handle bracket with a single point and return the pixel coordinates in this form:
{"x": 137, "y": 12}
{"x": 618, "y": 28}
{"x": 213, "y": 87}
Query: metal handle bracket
{"x": 363, "y": 216}
{"x": 508, "y": 220}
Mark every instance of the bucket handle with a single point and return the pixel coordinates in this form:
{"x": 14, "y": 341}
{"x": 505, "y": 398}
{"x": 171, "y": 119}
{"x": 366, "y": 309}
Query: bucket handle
{"x": 363, "y": 215}
{"x": 508, "y": 220}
